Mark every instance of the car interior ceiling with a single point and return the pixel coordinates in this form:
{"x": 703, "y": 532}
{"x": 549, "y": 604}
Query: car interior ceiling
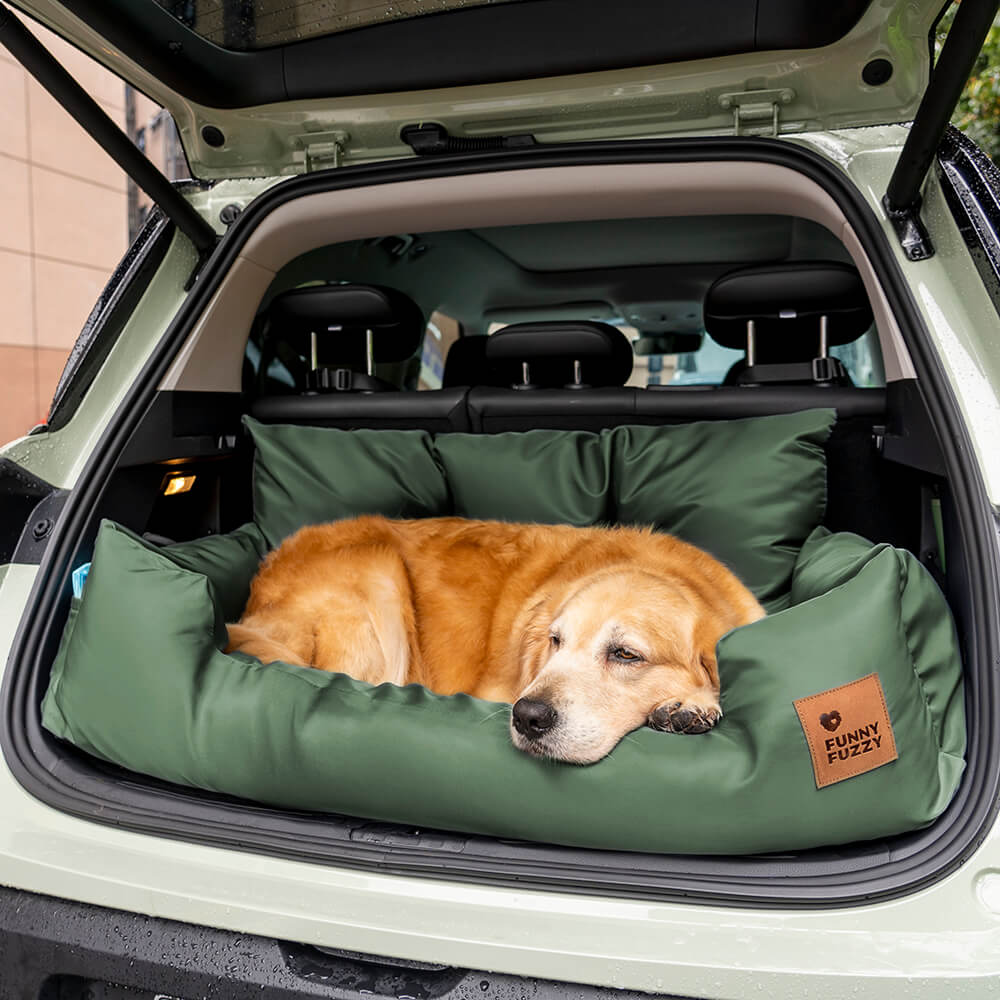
{"x": 338, "y": 336}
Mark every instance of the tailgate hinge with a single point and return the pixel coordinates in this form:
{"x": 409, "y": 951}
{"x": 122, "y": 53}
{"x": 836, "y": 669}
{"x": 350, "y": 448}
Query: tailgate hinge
{"x": 910, "y": 229}
{"x": 757, "y": 112}
{"x": 323, "y": 149}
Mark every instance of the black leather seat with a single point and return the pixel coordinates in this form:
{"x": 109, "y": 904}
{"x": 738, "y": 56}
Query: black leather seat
{"x": 466, "y": 363}
{"x": 435, "y": 411}
{"x": 599, "y": 357}
{"x": 342, "y": 332}
{"x": 786, "y": 317}
{"x": 554, "y": 374}
{"x": 339, "y": 333}
{"x": 558, "y": 355}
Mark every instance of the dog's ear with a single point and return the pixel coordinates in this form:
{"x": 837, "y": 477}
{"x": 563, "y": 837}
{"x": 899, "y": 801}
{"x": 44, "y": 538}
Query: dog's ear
{"x": 710, "y": 666}
{"x": 706, "y": 665}
{"x": 535, "y": 637}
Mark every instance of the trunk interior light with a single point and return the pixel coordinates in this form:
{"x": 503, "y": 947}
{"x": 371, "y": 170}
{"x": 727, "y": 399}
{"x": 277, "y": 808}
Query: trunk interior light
{"x": 177, "y": 482}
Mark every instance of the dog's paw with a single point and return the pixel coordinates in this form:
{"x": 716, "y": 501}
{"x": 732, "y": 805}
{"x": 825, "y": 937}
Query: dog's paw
{"x": 675, "y": 717}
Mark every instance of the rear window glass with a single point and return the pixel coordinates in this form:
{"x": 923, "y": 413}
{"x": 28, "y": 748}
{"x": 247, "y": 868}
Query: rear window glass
{"x": 242, "y": 25}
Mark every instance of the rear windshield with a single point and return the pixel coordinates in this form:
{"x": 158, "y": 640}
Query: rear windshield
{"x": 256, "y": 24}
{"x": 647, "y": 278}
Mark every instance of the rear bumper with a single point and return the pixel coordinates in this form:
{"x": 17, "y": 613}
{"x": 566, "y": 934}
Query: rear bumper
{"x": 54, "y": 949}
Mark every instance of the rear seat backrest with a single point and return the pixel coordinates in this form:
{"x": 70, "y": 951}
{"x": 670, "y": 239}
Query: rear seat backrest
{"x": 559, "y": 355}
{"x": 465, "y": 363}
{"x": 437, "y": 411}
{"x": 605, "y": 360}
{"x": 785, "y": 317}
{"x": 343, "y": 392}
{"x": 556, "y": 374}
{"x": 344, "y": 331}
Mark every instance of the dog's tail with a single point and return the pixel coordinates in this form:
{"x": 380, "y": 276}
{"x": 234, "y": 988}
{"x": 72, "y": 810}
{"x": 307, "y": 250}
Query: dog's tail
{"x": 254, "y": 642}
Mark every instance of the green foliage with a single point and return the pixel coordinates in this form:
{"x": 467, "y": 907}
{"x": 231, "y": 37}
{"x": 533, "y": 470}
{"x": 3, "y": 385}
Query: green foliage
{"x": 978, "y": 109}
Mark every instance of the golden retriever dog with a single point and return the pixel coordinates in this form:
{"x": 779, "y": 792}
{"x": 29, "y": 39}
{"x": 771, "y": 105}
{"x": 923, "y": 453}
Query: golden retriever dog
{"x": 587, "y": 632}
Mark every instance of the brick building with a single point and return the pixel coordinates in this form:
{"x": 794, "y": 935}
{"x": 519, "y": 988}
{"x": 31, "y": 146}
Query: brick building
{"x": 65, "y": 221}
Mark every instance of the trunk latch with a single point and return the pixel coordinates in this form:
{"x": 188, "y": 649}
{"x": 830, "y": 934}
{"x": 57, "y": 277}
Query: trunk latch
{"x": 433, "y": 139}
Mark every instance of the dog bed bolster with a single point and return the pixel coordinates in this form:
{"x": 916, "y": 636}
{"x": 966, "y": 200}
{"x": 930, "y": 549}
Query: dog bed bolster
{"x": 155, "y": 694}
{"x": 748, "y": 491}
{"x": 843, "y": 710}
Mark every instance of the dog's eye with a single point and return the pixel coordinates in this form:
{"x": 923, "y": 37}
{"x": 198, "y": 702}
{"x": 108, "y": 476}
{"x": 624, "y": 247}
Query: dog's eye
{"x": 625, "y": 655}
{"x": 556, "y": 641}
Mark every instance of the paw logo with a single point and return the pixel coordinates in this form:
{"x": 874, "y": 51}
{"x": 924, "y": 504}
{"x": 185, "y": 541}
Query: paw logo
{"x": 830, "y": 721}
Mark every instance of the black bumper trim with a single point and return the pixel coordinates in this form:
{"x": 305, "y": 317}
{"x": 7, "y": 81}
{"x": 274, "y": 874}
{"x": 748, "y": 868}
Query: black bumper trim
{"x": 55, "y": 949}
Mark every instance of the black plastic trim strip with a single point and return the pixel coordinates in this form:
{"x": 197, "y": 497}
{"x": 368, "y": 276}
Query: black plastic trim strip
{"x": 57, "y": 948}
{"x": 971, "y": 184}
{"x": 111, "y": 312}
{"x": 71, "y": 782}
{"x": 48, "y": 72}
{"x": 20, "y": 494}
{"x": 484, "y": 44}
{"x": 38, "y": 528}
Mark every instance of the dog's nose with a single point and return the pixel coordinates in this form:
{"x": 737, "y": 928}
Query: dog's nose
{"x": 533, "y": 718}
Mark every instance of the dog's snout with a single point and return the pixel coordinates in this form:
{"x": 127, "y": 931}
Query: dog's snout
{"x": 533, "y": 718}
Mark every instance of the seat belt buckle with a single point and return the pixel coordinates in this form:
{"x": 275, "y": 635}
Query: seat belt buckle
{"x": 827, "y": 369}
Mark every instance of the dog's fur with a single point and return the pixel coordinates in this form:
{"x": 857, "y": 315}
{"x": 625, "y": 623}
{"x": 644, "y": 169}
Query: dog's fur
{"x": 589, "y": 632}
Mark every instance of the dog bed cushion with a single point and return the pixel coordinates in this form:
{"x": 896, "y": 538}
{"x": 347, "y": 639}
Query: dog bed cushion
{"x": 140, "y": 680}
{"x": 748, "y": 491}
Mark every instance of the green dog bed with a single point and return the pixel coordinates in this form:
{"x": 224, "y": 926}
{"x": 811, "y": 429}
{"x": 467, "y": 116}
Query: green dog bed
{"x": 843, "y": 710}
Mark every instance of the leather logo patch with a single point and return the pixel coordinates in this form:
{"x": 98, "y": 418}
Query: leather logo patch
{"x": 847, "y": 729}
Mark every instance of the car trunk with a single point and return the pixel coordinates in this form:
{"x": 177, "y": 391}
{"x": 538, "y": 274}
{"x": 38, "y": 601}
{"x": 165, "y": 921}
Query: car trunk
{"x": 895, "y": 460}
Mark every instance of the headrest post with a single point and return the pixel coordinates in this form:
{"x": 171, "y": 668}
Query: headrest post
{"x": 824, "y": 339}
{"x": 313, "y": 351}
{"x": 577, "y": 382}
{"x": 751, "y": 343}
{"x": 525, "y": 373}
{"x": 369, "y": 353}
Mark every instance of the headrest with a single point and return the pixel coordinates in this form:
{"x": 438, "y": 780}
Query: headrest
{"x": 550, "y": 348}
{"x": 786, "y": 301}
{"x": 339, "y": 316}
{"x": 466, "y": 363}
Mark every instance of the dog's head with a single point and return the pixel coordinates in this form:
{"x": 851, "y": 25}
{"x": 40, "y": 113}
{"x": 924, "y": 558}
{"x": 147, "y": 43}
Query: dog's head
{"x": 622, "y": 648}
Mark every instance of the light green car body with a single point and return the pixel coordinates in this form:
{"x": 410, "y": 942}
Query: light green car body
{"x": 936, "y": 942}
{"x": 811, "y": 88}
{"x": 941, "y": 941}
